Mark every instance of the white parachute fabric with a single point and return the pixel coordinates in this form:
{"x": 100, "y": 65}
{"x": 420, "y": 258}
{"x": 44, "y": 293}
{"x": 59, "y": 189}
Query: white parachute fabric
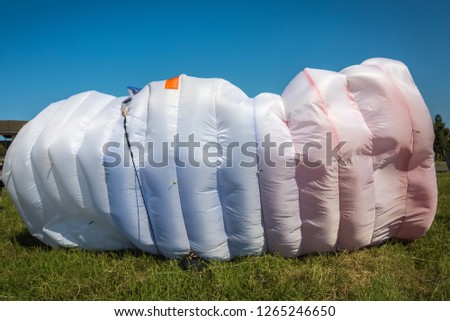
{"x": 46, "y": 172}
{"x": 278, "y": 187}
{"x": 159, "y": 174}
{"x": 237, "y": 178}
{"x": 128, "y": 209}
{"x": 183, "y": 199}
{"x": 341, "y": 160}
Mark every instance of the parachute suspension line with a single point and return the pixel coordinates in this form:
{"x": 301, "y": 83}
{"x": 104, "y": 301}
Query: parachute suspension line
{"x": 258, "y": 172}
{"x": 125, "y": 104}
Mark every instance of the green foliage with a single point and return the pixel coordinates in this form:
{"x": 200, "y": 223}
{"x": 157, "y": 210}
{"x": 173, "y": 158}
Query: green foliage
{"x": 393, "y": 271}
{"x": 441, "y": 144}
{"x": 2, "y": 150}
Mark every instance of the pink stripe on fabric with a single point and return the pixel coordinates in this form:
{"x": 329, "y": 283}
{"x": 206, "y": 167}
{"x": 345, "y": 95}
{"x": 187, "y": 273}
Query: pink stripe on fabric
{"x": 335, "y": 139}
{"x": 352, "y": 99}
{"x": 322, "y": 105}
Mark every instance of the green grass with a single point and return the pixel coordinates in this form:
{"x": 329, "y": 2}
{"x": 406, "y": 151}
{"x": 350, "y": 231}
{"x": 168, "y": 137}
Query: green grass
{"x": 393, "y": 271}
{"x": 441, "y": 166}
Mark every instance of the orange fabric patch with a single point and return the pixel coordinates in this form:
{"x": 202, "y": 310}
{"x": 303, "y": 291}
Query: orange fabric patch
{"x": 172, "y": 83}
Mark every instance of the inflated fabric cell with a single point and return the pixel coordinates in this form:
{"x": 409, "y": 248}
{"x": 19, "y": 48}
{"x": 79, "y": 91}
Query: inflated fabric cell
{"x": 339, "y": 160}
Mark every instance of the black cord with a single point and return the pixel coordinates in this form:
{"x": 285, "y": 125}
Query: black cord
{"x": 187, "y": 262}
{"x": 137, "y": 175}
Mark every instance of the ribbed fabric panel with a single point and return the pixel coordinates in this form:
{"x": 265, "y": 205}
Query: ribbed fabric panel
{"x": 345, "y": 160}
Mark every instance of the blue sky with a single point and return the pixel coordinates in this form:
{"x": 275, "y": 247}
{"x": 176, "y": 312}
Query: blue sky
{"x": 50, "y": 50}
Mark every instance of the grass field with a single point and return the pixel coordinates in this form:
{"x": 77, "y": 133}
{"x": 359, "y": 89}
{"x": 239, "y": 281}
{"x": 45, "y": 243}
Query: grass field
{"x": 392, "y": 271}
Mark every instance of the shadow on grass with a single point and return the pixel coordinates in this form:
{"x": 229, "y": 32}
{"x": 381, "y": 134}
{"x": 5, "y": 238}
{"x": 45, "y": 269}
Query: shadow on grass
{"x": 389, "y": 242}
{"x": 119, "y": 254}
{"x": 25, "y": 239}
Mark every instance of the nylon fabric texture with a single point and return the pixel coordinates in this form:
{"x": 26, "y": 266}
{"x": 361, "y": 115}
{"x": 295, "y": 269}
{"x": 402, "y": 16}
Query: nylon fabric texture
{"x": 340, "y": 160}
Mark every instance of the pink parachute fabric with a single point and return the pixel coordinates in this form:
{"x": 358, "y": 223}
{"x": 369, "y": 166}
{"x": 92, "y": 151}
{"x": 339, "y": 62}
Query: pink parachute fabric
{"x": 383, "y": 185}
{"x": 341, "y": 160}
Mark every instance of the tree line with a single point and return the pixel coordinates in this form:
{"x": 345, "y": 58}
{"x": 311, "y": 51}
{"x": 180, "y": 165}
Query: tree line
{"x": 442, "y": 139}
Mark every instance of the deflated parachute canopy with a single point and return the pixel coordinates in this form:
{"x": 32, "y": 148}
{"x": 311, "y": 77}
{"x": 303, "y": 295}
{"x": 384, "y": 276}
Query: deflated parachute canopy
{"x": 341, "y": 160}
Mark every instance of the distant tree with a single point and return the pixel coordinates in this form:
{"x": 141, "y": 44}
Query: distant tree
{"x": 447, "y": 150}
{"x": 442, "y": 139}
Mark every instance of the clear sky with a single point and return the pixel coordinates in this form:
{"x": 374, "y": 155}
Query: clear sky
{"x": 50, "y": 50}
